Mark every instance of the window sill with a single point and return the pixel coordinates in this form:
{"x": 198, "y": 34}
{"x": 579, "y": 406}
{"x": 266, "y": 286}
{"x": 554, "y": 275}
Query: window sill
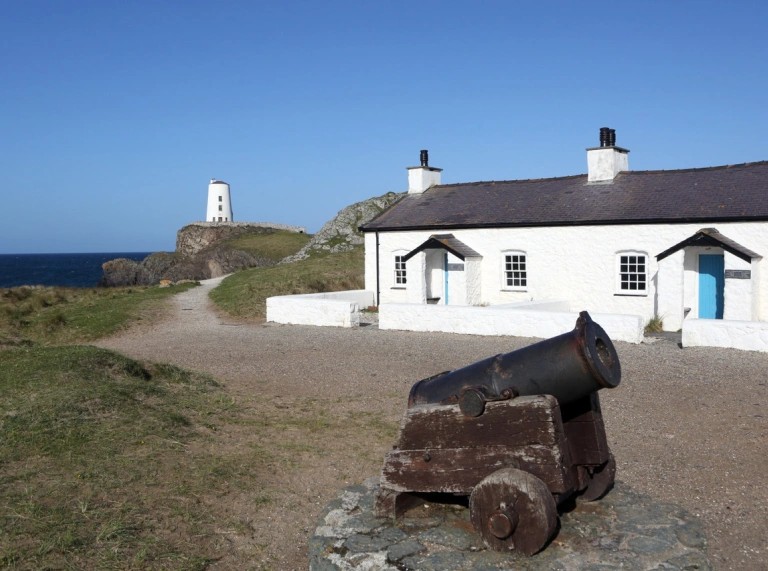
{"x": 398, "y": 287}
{"x": 630, "y": 295}
{"x": 514, "y": 290}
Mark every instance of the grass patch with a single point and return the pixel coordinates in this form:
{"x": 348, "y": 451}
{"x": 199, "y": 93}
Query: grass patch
{"x": 245, "y": 293}
{"x": 111, "y": 463}
{"x": 655, "y": 325}
{"x": 66, "y": 315}
{"x": 274, "y": 246}
{"x": 104, "y": 462}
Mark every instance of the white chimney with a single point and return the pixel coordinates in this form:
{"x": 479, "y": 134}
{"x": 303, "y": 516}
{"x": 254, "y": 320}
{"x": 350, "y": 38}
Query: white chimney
{"x": 423, "y": 177}
{"x": 607, "y": 160}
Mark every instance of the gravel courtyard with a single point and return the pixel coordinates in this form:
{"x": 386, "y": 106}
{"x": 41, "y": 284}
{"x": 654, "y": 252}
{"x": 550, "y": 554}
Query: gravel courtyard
{"x": 688, "y": 426}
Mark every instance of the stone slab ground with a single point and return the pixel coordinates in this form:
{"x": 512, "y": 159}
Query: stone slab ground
{"x": 624, "y": 530}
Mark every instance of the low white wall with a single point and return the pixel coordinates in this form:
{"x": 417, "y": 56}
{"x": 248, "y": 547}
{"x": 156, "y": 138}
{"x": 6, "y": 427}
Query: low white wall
{"x": 335, "y": 309}
{"x": 543, "y": 305}
{"x": 496, "y": 320}
{"x": 746, "y": 335}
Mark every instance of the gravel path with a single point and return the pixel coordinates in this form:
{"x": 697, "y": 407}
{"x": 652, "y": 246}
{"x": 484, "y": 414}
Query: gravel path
{"x": 686, "y": 426}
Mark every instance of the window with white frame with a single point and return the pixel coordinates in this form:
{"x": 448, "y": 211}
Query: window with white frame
{"x": 515, "y": 271}
{"x": 400, "y": 277}
{"x": 633, "y": 273}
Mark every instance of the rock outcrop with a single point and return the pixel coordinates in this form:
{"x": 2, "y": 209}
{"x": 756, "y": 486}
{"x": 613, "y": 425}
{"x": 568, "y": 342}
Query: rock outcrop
{"x": 341, "y": 234}
{"x": 205, "y": 264}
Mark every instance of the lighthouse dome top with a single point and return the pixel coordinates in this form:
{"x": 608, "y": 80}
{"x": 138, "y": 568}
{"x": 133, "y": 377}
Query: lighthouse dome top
{"x": 214, "y": 181}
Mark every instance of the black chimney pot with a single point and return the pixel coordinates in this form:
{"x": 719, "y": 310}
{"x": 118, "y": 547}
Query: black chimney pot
{"x": 424, "y": 158}
{"x": 605, "y": 137}
{"x": 612, "y": 138}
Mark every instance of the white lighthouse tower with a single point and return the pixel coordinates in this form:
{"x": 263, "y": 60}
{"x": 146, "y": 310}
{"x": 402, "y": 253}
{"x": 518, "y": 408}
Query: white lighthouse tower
{"x": 219, "y": 202}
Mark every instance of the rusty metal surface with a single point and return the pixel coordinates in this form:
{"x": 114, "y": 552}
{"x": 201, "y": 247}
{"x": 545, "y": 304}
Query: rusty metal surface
{"x": 569, "y": 367}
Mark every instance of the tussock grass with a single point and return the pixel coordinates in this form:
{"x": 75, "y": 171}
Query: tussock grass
{"x": 103, "y": 461}
{"x": 40, "y": 314}
{"x": 655, "y": 325}
{"x": 244, "y": 294}
{"x": 274, "y": 246}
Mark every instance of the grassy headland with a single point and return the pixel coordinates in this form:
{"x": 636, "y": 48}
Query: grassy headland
{"x": 245, "y": 293}
{"x": 274, "y": 246}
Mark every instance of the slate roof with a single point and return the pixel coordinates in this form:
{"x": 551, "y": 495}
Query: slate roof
{"x": 446, "y": 242}
{"x": 716, "y": 194}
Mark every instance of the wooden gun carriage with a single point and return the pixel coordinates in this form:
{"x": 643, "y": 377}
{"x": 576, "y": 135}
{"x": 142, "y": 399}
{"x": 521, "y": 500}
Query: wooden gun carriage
{"x": 518, "y": 433}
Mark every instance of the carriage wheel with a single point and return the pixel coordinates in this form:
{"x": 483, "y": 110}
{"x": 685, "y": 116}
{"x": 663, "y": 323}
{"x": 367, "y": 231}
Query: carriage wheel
{"x": 600, "y": 480}
{"x": 513, "y": 510}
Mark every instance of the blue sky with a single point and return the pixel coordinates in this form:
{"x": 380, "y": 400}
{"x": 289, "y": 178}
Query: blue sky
{"x": 116, "y": 114}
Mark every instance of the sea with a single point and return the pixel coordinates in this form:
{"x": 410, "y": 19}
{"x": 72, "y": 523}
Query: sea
{"x": 66, "y": 270}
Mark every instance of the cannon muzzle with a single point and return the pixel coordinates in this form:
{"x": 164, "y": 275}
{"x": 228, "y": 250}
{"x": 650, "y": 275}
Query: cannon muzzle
{"x": 568, "y": 367}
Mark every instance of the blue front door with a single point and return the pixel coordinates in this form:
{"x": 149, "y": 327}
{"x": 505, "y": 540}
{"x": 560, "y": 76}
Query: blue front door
{"x": 445, "y": 272}
{"x": 711, "y": 286}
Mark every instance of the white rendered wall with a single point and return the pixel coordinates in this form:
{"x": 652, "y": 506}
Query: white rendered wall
{"x": 746, "y": 335}
{"x": 576, "y": 263}
{"x": 603, "y": 164}
{"x": 335, "y": 309}
{"x": 759, "y": 290}
{"x": 216, "y": 190}
{"x": 474, "y": 280}
{"x": 421, "y": 178}
{"x": 416, "y": 289}
{"x": 543, "y": 305}
{"x": 502, "y": 321}
{"x": 738, "y": 292}
{"x": 670, "y": 284}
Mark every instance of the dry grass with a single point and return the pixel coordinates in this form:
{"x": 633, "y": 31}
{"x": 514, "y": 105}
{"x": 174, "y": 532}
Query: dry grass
{"x": 655, "y": 325}
{"x": 38, "y": 314}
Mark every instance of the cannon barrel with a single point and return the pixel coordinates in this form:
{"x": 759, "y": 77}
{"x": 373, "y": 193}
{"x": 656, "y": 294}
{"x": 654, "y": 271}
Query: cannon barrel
{"x": 568, "y": 367}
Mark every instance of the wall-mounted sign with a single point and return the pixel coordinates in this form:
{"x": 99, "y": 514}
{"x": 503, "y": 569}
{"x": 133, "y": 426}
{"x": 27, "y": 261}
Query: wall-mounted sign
{"x": 738, "y": 274}
{"x": 455, "y": 267}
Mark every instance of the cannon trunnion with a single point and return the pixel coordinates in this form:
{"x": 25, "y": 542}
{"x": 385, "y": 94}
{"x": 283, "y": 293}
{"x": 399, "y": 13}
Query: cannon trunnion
{"x": 516, "y": 457}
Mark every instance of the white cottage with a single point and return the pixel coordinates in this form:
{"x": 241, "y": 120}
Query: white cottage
{"x": 674, "y": 244}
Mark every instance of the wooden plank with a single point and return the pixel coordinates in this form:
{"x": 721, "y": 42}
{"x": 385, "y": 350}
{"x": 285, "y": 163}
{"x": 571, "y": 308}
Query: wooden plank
{"x": 517, "y": 422}
{"x": 458, "y": 470}
{"x": 585, "y": 432}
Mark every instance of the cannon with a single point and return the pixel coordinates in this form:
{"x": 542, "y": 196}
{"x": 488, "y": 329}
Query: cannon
{"x": 518, "y": 433}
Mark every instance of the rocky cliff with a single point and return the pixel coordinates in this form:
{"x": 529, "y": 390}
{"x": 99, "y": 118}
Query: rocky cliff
{"x": 341, "y": 234}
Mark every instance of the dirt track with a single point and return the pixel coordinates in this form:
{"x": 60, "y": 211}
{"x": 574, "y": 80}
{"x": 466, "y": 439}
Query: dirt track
{"x": 686, "y": 426}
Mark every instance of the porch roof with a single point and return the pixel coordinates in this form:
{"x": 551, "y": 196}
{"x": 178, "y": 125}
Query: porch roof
{"x": 712, "y": 237}
{"x": 444, "y": 242}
